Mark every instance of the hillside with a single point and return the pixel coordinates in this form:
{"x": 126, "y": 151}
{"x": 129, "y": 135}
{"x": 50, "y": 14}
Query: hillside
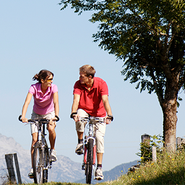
{"x": 114, "y": 173}
{"x": 64, "y": 170}
{"x": 168, "y": 170}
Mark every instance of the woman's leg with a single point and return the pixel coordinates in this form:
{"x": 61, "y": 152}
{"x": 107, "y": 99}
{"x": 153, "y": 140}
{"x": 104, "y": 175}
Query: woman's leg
{"x": 34, "y": 140}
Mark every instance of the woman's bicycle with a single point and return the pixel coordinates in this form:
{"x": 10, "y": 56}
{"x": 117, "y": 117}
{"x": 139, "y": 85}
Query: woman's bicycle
{"x": 41, "y": 154}
{"x": 89, "y": 147}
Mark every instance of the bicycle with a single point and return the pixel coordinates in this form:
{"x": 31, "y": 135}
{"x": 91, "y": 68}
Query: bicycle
{"x": 41, "y": 154}
{"x": 89, "y": 144}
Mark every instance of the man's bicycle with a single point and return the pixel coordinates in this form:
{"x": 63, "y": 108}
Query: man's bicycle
{"x": 41, "y": 154}
{"x": 90, "y": 147}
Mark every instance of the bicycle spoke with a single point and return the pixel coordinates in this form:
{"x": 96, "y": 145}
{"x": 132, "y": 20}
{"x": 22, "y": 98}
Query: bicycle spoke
{"x": 38, "y": 165}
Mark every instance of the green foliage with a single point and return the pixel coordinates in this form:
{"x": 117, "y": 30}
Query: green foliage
{"x": 55, "y": 183}
{"x": 146, "y": 148}
{"x": 148, "y": 35}
{"x": 169, "y": 169}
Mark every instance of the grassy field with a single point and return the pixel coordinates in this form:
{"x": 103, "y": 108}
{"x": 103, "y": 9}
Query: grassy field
{"x": 168, "y": 170}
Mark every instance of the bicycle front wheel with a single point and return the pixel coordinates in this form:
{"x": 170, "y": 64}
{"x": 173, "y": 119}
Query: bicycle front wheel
{"x": 38, "y": 164}
{"x": 46, "y": 163}
{"x": 89, "y": 161}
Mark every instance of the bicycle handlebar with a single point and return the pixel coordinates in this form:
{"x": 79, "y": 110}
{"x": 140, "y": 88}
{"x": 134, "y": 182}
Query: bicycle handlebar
{"x": 42, "y": 120}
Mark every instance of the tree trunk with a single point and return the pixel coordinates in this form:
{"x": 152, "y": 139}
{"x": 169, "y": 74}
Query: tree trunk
{"x": 169, "y": 107}
{"x": 169, "y": 125}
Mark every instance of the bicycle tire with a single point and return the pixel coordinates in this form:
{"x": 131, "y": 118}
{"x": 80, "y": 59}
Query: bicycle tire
{"x": 38, "y": 164}
{"x": 46, "y": 162}
{"x": 89, "y": 164}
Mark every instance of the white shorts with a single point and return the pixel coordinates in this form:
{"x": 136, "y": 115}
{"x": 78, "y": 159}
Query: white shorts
{"x": 99, "y": 130}
{"x": 35, "y": 116}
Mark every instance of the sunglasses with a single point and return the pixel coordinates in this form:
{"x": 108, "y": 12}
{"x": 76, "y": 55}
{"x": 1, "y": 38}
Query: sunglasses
{"x": 49, "y": 80}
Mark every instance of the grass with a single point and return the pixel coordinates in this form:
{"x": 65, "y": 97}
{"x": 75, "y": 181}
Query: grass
{"x": 168, "y": 170}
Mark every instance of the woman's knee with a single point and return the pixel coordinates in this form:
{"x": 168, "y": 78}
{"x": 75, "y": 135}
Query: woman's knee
{"x": 51, "y": 129}
{"x": 34, "y": 138}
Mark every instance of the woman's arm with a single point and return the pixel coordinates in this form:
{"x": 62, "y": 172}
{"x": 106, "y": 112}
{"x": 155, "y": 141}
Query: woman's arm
{"x": 56, "y": 103}
{"x": 25, "y": 107}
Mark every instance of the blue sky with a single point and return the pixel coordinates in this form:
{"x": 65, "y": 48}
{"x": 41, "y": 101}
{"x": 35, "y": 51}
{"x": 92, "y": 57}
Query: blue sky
{"x": 36, "y": 35}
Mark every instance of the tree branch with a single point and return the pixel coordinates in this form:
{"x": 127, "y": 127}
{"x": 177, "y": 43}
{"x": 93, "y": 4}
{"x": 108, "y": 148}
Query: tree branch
{"x": 159, "y": 95}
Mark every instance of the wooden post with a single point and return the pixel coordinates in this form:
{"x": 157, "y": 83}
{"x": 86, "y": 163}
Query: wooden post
{"x": 145, "y": 147}
{"x": 17, "y": 169}
{"x": 145, "y": 139}
{"x": 9, "y": 163}
{"x": 154, "y": 157}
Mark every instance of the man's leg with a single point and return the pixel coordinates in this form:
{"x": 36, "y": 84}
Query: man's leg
{"x": 99, "y": 158}
{"x": 80, "y": 135}
{"x": 100, "y": 132}
{"x": 80, "y": 130}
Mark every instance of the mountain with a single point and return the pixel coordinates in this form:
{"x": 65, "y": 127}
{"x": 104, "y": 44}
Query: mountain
{"x": 64, "y": 170}
{"x": 114, "y": 173}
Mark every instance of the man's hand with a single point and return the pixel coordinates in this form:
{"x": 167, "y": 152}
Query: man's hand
{"x": 109, "y": 118}
{"x": 75, "y": 116}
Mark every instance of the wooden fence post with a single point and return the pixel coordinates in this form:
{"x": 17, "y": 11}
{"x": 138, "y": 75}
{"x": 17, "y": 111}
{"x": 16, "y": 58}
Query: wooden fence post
{"x": 154, "y": 157}
{"x": 10, "y": 167}
{"x": 9, "y": 163}
{"x": 17, "y": 169}
{"x": 145, "y": 139}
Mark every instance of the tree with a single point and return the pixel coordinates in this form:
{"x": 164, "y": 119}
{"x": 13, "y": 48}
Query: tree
{"x": 149, "y": 36}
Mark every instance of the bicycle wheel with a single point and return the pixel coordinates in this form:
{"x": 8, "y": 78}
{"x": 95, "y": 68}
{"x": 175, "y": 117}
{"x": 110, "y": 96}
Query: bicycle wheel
{"x": 38, "y": 165}
{"x": 46, "y": 162}
{"x": 89, "y": 161}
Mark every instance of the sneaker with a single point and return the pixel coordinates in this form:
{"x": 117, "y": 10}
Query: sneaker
{"x": 99, "y": 174}
{"x": 52, "y": 156}
{"x": 79, "y": 149}
{"x": 30, "y": 175}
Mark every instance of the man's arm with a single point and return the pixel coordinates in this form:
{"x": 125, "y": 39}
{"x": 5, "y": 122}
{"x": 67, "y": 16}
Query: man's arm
{"x": 76, "y": 100}
{"x": 107, "y": 107}
{"x": 106, "y": 104}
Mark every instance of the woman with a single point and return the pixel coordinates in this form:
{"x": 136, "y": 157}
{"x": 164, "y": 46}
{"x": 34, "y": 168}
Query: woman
{"x": 45, "y": 106}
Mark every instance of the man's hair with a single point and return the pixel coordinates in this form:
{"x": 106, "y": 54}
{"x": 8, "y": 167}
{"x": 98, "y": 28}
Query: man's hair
{"x": 88, "y": 70}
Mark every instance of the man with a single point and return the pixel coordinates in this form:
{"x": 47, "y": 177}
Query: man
{"x": 90, "y": 97}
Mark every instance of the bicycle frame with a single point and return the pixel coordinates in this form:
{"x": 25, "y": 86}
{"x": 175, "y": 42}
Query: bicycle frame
{"x": 41, "y": 141}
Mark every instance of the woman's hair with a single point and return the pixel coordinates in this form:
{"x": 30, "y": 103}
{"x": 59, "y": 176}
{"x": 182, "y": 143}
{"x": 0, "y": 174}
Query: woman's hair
{"x": 43, "y": 74}
{"x": 88, "y": 70}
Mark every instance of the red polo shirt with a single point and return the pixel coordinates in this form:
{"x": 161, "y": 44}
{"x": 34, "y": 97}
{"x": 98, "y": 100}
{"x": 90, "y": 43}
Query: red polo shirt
{"x": 91, "y": 101}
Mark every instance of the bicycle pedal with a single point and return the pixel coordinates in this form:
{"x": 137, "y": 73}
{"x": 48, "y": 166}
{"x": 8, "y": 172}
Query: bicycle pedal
{"x": 83, "y": 167}
{"x": 49, "y": 167}
{"x": 31, "y": 176}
